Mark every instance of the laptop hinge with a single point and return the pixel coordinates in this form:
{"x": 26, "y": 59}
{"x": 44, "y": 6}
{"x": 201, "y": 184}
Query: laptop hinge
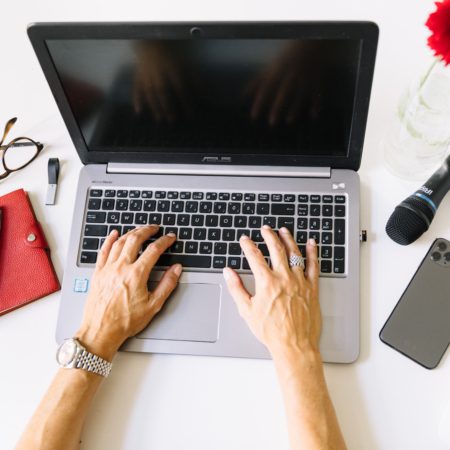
{"x": 223, "y": 170}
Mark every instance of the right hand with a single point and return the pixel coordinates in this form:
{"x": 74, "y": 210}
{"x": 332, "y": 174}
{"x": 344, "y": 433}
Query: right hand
{"x": 284, "y": 313}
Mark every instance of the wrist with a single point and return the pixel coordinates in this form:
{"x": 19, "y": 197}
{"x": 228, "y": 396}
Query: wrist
{"x": 289, "y": 359}
{"x": 98, "y": 345}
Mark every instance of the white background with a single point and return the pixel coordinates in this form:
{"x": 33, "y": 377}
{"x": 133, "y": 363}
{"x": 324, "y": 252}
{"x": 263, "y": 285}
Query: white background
{"x": 383, "y": 401}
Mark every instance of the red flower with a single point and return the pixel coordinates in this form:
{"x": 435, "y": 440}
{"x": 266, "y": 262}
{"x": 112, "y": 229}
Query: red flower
{"x": 439, "y": 24}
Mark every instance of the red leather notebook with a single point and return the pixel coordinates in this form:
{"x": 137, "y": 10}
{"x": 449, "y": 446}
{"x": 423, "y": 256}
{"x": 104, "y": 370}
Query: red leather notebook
{"x": 26, "y": 270}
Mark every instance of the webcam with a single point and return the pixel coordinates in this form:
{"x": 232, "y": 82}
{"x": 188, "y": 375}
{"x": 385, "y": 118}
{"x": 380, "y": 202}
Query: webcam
{"x": 196, "y": 32}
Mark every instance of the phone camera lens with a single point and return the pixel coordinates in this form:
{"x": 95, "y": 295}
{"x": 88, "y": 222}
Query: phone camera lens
{"x": 435, "y": 256}
{"x": 442, "y": 246}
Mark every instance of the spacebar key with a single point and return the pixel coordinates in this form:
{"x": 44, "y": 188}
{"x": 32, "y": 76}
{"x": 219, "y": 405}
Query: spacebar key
{"x": 203, "y": 262}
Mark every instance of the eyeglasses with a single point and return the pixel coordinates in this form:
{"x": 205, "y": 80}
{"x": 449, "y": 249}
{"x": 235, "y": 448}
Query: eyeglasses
{"x": 18, "y": 153}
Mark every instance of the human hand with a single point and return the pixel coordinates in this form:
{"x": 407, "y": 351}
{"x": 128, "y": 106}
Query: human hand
{"x": 119, "y": 304}
{"x": 284, "y": 313}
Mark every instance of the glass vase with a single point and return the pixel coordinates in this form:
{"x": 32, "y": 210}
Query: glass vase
{"x": 419, "y": 139}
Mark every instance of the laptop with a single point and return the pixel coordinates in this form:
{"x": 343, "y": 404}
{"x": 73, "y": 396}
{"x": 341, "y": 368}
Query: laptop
{"x": 212, "y": 130}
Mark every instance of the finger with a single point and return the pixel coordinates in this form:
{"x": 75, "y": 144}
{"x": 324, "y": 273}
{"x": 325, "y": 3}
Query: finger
{"x": 117, "y": 247}
{"x": 106, "y": 248}
{"x": 278, "y": 257}
{"x": 135, "y": 240}
{"x": 255, "y": 258}
{"x": 312, "y": 263}
{"x": 164, "y": 288}
{"x": 240, "y": 295}
{"x": 151, "y": 254}
{"x": 291, "y": 249}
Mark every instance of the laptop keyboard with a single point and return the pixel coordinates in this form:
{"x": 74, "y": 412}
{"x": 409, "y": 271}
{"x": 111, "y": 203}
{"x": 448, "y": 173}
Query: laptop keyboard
{"x": 208, "y": 224}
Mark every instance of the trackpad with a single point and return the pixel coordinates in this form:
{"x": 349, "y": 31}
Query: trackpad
{"x": 190, "y": 314}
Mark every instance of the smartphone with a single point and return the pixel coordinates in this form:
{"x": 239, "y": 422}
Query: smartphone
{"x": 419, "y": 325}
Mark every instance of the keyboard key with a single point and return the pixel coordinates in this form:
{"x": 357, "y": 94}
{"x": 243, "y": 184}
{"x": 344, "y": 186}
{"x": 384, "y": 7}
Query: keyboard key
{"x": 110, "y": 193}
{"x": 220, "y": 207}
{"x": 264, "y": 250}
{"x": 325, "y": 251}
{"x": 249, "y": 197}
{"x": 256, "y": 236}
{"x": 339, "y": 260}
{"x": 135, "y": 194}
{"x": 90, "y": 244}
{"x": 160, "y": 194}
{"x": 289, "y": 198}
{"x": 95, "y": 230}
{"x": 236, "y": 196}
{"x": 262, "y": 208}
{"x": 169, "y": 219}
{"x": 214, "y": 234}
{"x": 271, "y": 221}
{"x": 339, "y": 211}
{"x": 135, "y": 205}
{"x": 303, "y": 198}
{"x": 327, "y": 198}
{"x": 183, "y": 219}
{"x": 314, "y": 224}
{"x": 191, "y": 247}
{"x": 287, "y": 222}
{"x": 234, "y": 208}
{"x": 122, "y": 205}
{"x": 276, "y": 197}
{"x": 185, "y": 195}
{"x": 226, "y": 221}
{"x": 302, "y": 210}
{"x": 149, "y": 205}
{"x": 315, "y": 210}
{"x": 339, "y": 198}
{"x": 263, "y": 197}
{"x": 219, "y": 262}
{"x": 122, "y": 193}
{"x": 113, "y": 217}
{"x": 88, "y": 257}
{"x": 200, "y": 261}
{"x": 327, "y": 224}
{"x": 327, "y": 238}
{"x": 212, "y": 221}
{"x": 131, "y": 228}
{"x": 234, "y": 262}
{"x": 211, "y": 196}
{"x": 315, "y": 198}
{"x": 283, "y": 209}
{"x": 325, "y": 266}
{"x": 327, "y": 210}
{"x": 108, "y": 204}
{"x": 185, "y": 233}
{"x": 302, "y": 224}
{"x": 147, "y": 194}
{"x": 197, "y": 196}
{"x": 205, "y": 247}
{"x": 95, "y": 193}
{"x": 177, "y": 247}
{"x": 220, "y": 248}
{"x": 95, "y": 217}
{"x": 339, "y": 231}
{"x": 177, "y": 206}
{"x": 155, "y": 218}
{"x": 206, "y": 207}
{"x": 199, "y": 234}
{"x": 163, "y": 205}
{"x": 240, "y": 232}
{"x": 172, "y": 195}
{"x": 229, "y": 235}
{"x": 191, "y": 207}
{"x": 173, "y": 230}
{"x": 240, "y": 221}
{"x": 248, "y": 208}
{"x": 315, "y": 235}
{"x": 302, "y": 237}
{"x": 254, "y": 222}
{"x": 234, "y": 249}
{"x": 197, "y": 220}
{"x": 94, "y": 203}
{"x": 126, "y": 218}
{"x": 141, "y": 218}
{"x": 118, "y": 228}
{"x": 224, "y": 196}
{"x": 245, "y": 264}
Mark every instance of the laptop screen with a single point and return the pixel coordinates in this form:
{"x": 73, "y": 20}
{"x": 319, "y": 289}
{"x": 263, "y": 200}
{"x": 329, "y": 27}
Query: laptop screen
{"x": 211, "y": 96}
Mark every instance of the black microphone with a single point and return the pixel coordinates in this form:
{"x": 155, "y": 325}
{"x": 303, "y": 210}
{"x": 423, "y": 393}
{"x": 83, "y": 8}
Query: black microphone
{"x": 412, "y": 217}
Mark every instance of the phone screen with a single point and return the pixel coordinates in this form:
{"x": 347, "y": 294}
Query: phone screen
{"x": 419, "y": 325}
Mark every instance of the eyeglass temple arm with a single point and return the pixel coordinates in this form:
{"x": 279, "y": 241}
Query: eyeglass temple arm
{"x": 8, "y": 126}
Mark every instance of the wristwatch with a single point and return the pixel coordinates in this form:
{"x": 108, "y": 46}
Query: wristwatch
{"x": 72, "y": 355}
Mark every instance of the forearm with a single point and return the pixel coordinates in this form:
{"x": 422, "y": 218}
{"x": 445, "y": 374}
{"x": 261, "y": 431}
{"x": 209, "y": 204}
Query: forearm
{"x": 58, "y": 421}
{"x": 312, "y": 421}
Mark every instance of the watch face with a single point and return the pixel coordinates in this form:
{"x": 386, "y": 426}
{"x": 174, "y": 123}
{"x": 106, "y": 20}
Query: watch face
{"x": 66, "y": 352}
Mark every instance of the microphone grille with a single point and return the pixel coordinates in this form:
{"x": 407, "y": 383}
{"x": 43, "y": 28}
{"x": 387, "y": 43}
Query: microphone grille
{"x": 405, "y": 225}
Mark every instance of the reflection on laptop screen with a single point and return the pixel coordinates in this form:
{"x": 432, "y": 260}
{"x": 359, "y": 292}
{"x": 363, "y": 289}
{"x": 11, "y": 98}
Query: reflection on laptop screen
{"x": 236, "y": 96}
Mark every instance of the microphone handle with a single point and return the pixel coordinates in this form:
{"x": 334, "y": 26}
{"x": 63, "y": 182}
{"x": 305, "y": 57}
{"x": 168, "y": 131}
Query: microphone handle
{"x": 436, "y": 187}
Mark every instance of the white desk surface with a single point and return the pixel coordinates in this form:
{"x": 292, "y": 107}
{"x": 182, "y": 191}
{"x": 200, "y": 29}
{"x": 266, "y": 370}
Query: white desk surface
{"x": 384, "y": 401}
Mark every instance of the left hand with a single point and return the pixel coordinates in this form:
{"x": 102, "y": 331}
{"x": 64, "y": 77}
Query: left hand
{"x": 119, "y": 304}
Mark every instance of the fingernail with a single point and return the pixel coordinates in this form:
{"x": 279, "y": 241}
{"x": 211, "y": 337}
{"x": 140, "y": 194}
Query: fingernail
{"x": 171, "y": 234}
{"x": 154, "y": 225}
{"x": 284, "y": 230}
{"x": 311, "y": 241}
{"x": 177, "y": 268}
{"x": 113, "y": 232}
{"x": 226, "y": 273}
{"x": 243, "y": 237}
{"x": 267, "y": 227}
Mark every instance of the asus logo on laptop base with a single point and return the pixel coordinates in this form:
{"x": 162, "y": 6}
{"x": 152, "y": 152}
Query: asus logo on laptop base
{"x": 216, "y": 159}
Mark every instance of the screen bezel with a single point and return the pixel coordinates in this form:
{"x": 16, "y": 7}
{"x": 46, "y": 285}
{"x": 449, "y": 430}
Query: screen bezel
{"x": 367, "y": 32}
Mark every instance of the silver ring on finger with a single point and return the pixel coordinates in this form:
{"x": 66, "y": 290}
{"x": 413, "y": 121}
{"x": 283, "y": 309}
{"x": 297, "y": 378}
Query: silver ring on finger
{"x": 297, "y": 261}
